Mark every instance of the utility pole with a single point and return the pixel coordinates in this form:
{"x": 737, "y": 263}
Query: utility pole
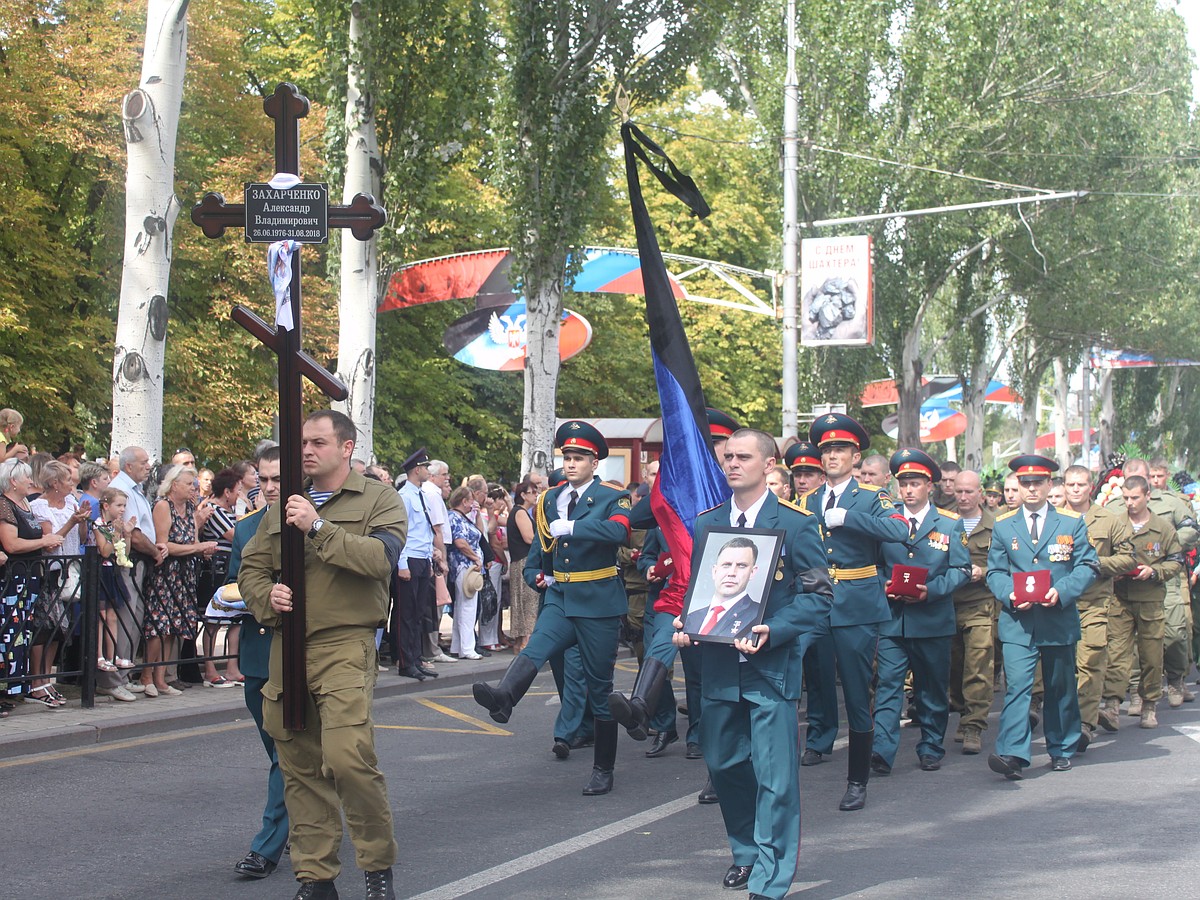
{"x": 791, "y": 230}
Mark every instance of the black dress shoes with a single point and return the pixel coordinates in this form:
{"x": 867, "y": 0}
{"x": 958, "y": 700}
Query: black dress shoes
{"x": 854, "y": 798}
{"x": 879, "y": 765}
{"x": 811, "y": 758}
{"x": 930, "y": 763}
{"x": 561, "y": 748}
{"x": 427, "y": 671}
{"x": 578, "y": 743}
{"x": 1060, "y": 764}
{"x": 316, "y": 890}
{"x": 708, "y": 793}
{"x": 1008, "y": 766}
{"x": 254, "y": 865}
{"x": 411, "y": 672}
{"x": 736, "y": 877}
{"x": 662, "y": 741}
{"x": 693, "y": 751}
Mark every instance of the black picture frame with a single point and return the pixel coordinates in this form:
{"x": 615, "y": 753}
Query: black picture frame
{"x": 747, "y": 596}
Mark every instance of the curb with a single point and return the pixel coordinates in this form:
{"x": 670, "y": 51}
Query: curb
{"x": 166, "y": 719}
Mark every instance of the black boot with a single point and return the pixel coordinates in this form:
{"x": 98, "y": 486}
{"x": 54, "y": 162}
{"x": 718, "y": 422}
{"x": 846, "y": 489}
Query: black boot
{"x": 634, "y": 713}
{"x": 604, "y": 759}
{"x": 500, "y": 700}
{"x": 859, "y": 771}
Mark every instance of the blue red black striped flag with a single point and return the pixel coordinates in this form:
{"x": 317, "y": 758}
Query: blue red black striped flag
{"x": 689, "y": 478}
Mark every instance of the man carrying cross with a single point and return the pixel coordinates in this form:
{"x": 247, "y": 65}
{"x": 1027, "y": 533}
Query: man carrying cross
{"x": 355, "y": 529}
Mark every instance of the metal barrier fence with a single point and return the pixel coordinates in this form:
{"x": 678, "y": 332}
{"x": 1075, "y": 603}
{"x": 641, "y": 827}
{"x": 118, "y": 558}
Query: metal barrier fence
{"x": 61, "y": 614}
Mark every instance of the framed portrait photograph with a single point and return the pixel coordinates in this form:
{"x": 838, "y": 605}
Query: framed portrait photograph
{"x": 728, "y": 596}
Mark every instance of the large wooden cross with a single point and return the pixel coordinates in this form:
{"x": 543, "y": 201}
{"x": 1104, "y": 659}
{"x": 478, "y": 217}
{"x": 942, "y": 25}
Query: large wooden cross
{"x": 362, "y": 216}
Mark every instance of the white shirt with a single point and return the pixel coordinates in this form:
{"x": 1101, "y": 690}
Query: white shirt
{"x": 564, "y": 497}
{"x": 919, "y": 515}
{"x": 836, "y": 491}
{"x": 435, "y": 504}
{"x": 137, "y": 505}
{"x": 1041, "y": 519}
{"x": 751, "y": 514}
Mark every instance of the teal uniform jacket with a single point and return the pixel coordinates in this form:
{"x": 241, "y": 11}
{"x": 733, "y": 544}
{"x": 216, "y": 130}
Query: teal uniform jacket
{"x": 871, "y": 517}
{"x": 601, "y": 525}
{"x": 939, "y": 546}
{"x": 798, "y": 606}
{"x": 1064, "y": 549}
{"x": 254, "y": 651}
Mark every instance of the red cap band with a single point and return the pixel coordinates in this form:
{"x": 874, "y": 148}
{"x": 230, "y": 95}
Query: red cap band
{"x": 914, "y": 468}
{"x": 841, "y": 437}
{"x": 1033, "y": 470}
{"x": 581, "y": 444}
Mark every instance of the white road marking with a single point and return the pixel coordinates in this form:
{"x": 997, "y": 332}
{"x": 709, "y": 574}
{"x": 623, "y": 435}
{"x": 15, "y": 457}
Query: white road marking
{"x": 554, "y": 852}
{"x": 1192, "y": 731}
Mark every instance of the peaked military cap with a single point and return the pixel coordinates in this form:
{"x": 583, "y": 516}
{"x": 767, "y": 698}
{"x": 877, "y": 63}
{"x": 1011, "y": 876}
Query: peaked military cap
{"x": 420, "y": 458}
{"x": 720, "y": 425}
{"x": 555, "y": 478}
{"x": 577, "y": 435}
{"x": 803, "y": 455}
{"x": 838, "y": 428}
{"x": 1033, "y": 465}
{"x": 910, "y": 461}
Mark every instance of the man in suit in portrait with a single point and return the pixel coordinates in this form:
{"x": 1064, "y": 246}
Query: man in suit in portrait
{"x": 732, "y": 610}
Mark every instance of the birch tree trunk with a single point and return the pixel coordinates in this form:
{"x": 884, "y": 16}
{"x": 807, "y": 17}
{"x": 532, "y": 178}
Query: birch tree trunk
{"x": 544, "y": 316}
{"x": 1029, "y": 412}
{"x": 973, "y": 408}
{"x": 151, "y": 118}
{"x": 359, "y": 263}
{"x": 1062, "y": 436}
{"x": 909, "y": 388}
{"x": 1106, "y": 416}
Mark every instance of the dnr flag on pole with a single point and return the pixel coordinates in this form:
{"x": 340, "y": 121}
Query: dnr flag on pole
{"x": 689, "y": 479}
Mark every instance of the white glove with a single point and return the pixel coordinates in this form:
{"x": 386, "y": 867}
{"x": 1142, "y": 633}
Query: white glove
{"x": 546, "y": 580}
{"x": 835, "y": 518}
{"x": 560, "y": 527}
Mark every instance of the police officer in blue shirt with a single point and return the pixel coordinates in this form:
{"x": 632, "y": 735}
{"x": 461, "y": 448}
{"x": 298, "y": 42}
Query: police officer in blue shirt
{"x": 414, "y": 572}
{"x": 1034, "y": 537}
{"x": 579, "y": 527}
{"x": 918, "y": 634}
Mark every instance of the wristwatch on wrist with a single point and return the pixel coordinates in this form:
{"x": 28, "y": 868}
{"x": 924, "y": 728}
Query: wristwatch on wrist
{"x": 315, "y": 527}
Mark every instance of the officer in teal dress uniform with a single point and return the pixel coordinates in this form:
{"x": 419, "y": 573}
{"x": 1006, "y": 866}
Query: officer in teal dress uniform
{"x": 1033, "y": 537}
{"x": 855, "y": 518}
{"x": 749, "y": 725}
{"x": 254, "y": 656}
{"x": 579, "y": 527}
{"x": 919, "y": 633}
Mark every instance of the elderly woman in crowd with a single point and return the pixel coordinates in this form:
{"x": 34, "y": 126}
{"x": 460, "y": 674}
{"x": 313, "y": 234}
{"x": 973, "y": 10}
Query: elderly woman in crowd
{"x": 171, "y": 602}
{"x": 466, "y": 556}
{"x": 522, "y": 599}
{"x": 58, "y": 513}
{"x": 497, "y": 537}
{"x": 21, "y": 539}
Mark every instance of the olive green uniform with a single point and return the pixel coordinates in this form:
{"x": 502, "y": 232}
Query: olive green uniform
{"x": 1138, "y": 607}
{"x": 972, "y": 650}
{"x": 331, "y": 766}
{"x": 1177, "y": 628}
{"x": 1111, "y": 537}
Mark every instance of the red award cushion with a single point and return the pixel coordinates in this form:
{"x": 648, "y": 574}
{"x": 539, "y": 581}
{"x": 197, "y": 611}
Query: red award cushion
{"x": 1031, "y": 587}
{"x": 907, "y": 580}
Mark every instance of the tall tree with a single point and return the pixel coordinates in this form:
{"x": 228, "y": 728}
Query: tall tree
{"x": 151, "y": 116}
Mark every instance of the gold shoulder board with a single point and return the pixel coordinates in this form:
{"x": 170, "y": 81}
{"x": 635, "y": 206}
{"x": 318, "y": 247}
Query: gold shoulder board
{"x": 947, "y": 513}
{"x": 1008, "y": 515}
{"x": 800, "y": 509}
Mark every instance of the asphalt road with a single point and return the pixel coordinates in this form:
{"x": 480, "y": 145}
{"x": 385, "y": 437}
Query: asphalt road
{"x": 485, "y": 811}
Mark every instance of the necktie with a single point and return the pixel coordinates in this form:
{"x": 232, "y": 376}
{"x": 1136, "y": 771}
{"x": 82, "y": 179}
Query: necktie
{"x": 713, "y": 615}
{"x": 571, "y": 503}
{"x": 912, "y": 527}
{"x": 830, "y": 501}
{"x": 741, "y": 523}
{"x": 1033, "y": 529}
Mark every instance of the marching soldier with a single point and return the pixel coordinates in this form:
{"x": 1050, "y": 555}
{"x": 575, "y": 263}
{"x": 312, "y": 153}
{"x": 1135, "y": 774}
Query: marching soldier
{"x": 1109, "y": 534}
{"x": 972, "y": 651}
{"x": 854, "y": 520}
{"x": 922, "y": 624}
{"x": 580, "y": 525}
{"x": 750, "y": 688}
{"x": 1043, "y": 546}
{"x": 1139, "y": 606}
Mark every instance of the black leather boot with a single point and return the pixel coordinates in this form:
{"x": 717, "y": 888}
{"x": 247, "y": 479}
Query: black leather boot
{"x": 859, "y": 771}
{"x": 634, "y": 713}
{"x": 500, "y": 700}
{"x": 605, "y": 757}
